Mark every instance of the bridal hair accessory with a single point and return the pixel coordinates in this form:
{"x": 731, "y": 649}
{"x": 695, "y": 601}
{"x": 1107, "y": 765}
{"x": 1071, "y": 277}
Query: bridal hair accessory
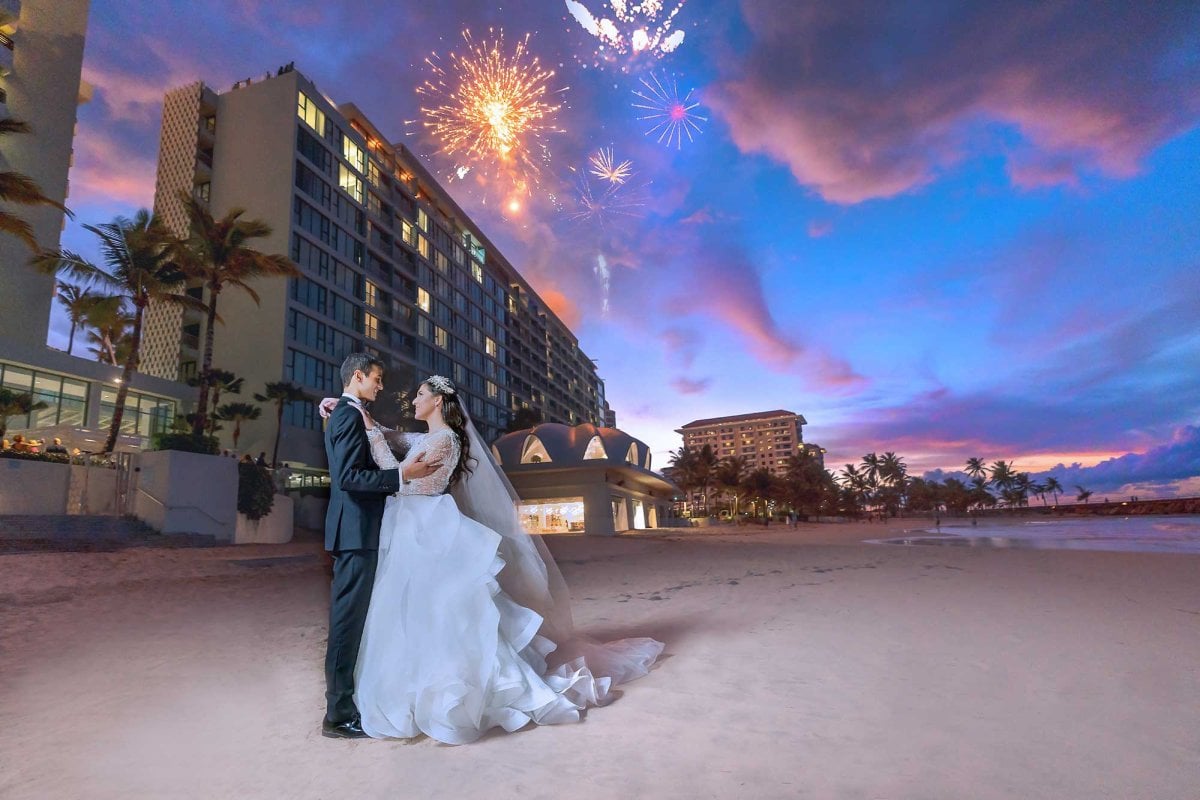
{"x": 440, "y": 384}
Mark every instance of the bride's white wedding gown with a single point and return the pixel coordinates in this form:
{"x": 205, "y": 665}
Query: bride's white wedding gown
{"x": 445, "y": 651}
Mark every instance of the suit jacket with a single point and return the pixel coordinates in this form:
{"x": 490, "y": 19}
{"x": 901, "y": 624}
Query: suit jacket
{"x": 358, "y": 488}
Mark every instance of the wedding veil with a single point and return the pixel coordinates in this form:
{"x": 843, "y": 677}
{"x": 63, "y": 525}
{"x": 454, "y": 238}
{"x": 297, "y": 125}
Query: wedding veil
{"x": 532, "y": 578}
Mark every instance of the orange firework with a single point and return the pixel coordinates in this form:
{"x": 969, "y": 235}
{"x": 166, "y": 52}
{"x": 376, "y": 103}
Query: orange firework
{"x": 491, "y": 109}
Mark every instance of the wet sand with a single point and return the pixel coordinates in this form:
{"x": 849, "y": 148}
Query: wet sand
{"x": 800, "y": 663}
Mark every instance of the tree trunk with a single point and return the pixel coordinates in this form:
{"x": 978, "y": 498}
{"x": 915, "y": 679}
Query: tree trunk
{"x": 237, "y": 431}
{"x": 206, "y": 365}
{"x": 131, "y": 365}
{"x": 278, "y": 431}
{"x": 71, "y": 339}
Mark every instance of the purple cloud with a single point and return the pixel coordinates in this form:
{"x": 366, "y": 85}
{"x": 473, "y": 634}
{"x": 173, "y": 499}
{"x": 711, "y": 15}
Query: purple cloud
{"x": 864, "y": 102}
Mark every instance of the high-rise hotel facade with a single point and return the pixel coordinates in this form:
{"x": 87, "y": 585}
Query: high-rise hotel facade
{"x": 390, "y": 265}
{"x": 765, "y": 439}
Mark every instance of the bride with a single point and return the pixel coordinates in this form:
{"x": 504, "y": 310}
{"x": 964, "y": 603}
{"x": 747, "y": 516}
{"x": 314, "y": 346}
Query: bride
{"x": 469, "y": 626}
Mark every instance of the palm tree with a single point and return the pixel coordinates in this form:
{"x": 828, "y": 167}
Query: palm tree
{"x": 237, "y": 413}
{"x": 280, "y": 393}
{"x": 138, "y": 268}
{"x": 217, "y": 253}
{"x": 21, "y": 190}
{"x": 728, "y": 477}
{"x": 1022, "y": 487}
{"x": 1054, "y": 487}
{"x": 108, "y": 323}
{"x": 1084, "y": 494}
{"x": 706, "y": 465}
{"x": 856, "y": 482}
{"x": 871, "y": 465}
{"x": 220, "y": 380}
{"x": 16, "y": 404}
{"x": 77, "y": 301}
{"x": 976, "y": 468}
{"x": 1003, "y": 478}
{"x": 761, "y": 487}
{"x": 683, "y": 471}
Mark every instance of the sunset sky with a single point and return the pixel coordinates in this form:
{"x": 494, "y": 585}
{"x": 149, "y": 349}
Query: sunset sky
{"x": 941, "y": 229}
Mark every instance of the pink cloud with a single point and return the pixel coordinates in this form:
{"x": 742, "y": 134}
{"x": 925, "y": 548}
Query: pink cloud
{"x": 819, "y": 228}
{"x": 725, "y": 286}
{"x": 690, "y": 386}
{"x": 863, "y": 103}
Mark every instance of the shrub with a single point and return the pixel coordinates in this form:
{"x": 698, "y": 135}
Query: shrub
{"x": 256, "y": 490}
{"x": 185, "y": 442}
{"x": 54, "y": 458}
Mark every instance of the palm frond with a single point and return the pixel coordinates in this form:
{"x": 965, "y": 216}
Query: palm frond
{"x": 15, "y": 226}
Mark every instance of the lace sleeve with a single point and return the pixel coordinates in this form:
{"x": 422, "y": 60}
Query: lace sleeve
{"x": 441, "y": 446}
{"x": 401, "y": 442}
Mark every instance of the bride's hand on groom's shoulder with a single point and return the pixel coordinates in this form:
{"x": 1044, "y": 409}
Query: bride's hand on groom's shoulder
{"x": 326, "y": 407}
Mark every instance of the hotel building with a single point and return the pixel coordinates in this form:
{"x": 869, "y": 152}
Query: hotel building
{"x": 41, "y": 57}
{"x": 764, "y": 439}
{"x": 391, "y": 265}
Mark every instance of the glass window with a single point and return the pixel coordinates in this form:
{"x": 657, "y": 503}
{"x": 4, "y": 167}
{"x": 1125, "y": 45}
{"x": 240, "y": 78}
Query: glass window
{"x": 371, "y": 325}
{"x": 489, "y": 345}
{"x": 423, "y": 300}
{"x": 423, "y": 220}
{"x": 441, "y": 337}
{"x": 307, "y": 110}
{"x": 354, "y": 154}
{"x": 351, "y": 183}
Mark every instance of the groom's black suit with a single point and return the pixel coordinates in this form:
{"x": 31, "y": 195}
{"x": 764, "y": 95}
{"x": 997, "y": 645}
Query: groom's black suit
{"x": 357, "y": 493}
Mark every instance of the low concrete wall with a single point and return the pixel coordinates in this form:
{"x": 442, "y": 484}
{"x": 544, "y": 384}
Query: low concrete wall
{"x": 309, "y": 511}
{"x": 187, "y": 493}
{"x": 33, "y": 487}
{"x": 93, "y": 490}
{"x": 274, "y": 528}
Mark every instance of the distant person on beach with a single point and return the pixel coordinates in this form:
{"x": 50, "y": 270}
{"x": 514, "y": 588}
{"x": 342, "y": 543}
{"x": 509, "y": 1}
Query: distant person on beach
{"x": 57, "y": 448}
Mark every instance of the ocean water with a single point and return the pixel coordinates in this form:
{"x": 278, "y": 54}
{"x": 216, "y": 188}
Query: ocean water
{"x": 1144, "y": 534}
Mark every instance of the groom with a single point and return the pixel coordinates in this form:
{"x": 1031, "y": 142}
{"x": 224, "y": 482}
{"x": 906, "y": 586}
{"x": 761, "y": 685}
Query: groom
{"x": 357, "y": 492}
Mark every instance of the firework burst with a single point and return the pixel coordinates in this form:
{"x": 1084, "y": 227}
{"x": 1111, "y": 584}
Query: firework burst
{"x": 605, "y": 203}
{"x": 635, "y": 29}
{"x": 672, "y": 116}
{"x": 605, "y": 167}
{"x": 491, "y": 109}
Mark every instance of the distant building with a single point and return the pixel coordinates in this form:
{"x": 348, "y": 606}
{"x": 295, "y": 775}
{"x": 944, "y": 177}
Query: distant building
{"x": 391, "y": 265}
{"x": 583, "y": 479}
{"x": 765, "y": 439}
{"x": 41, "y": 58}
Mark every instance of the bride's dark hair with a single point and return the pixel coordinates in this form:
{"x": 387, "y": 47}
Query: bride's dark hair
{"x": 456, "y": 418}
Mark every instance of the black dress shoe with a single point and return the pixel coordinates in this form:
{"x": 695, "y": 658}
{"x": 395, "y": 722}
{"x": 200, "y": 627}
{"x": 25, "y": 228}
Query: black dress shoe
{"x": 350, "y": 729}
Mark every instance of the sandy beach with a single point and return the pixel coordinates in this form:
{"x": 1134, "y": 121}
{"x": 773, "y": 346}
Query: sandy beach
{"x": 800, "y": 663}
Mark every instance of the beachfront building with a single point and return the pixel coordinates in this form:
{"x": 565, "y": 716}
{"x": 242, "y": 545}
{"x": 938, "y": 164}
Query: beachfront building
{"x": 583, "y": 479}
{"x": 41, "y": 58}
{"x": 391, "y": 265}
{"x": 765, "y": 439}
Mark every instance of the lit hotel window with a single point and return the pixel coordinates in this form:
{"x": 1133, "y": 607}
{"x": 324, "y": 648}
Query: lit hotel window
{"x": 307, "y": 110}
{"x": 423, "y": 300}
{"x": 489, "y": 345}
{"x": 350, "y": 182}
{"x": 423, "y": 220}
{"x": 354, "y": 154}
{"x": 371, "y": 325}
{"x": 477, "y": 272}
{"x": 372, "y": 294}
{"x": 441, "y": 337}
